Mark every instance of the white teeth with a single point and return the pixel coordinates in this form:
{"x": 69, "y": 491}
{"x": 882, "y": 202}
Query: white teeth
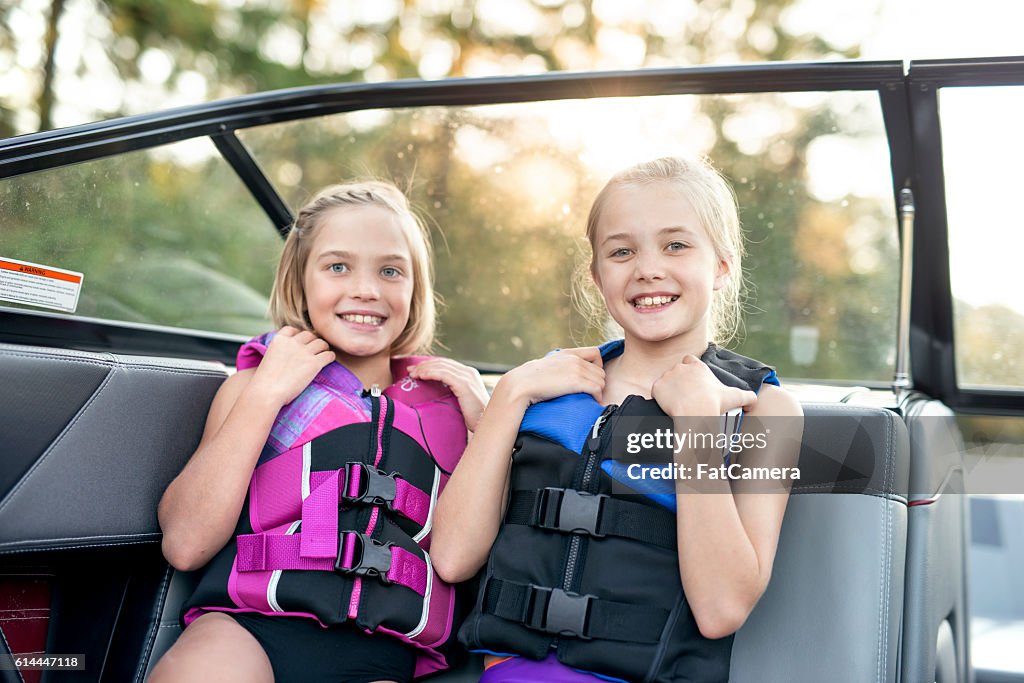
{"x": 363, "y": 319}
{"x": 647, "y": 301}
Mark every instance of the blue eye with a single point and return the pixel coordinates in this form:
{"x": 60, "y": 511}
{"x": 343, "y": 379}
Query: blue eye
{"x": 677, "y": 246}
{"x": 390, "y": 272}
{"x": 338, "y": 267}
{"x": 621, "y": 252}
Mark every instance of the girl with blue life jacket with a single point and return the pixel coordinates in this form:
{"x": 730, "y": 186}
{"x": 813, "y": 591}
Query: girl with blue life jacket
{"x": 579, "y": 579}
{"x": 309, "y": 501}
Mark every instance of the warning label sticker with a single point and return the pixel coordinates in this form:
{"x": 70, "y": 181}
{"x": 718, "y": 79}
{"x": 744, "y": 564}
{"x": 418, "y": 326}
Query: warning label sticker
{"x": 37, "y": 285}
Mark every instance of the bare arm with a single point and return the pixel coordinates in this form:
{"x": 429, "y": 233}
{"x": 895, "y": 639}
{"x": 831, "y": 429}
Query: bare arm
{"x": 728, "y": 532}
{"x": 471, "y": 508}
{"x": 200, "y": 508}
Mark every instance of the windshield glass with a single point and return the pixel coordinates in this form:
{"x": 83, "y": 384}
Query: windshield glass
{"x": 165, "y": 237}
{"x": 507, "y": 189}
{"x": 986, "y": 233}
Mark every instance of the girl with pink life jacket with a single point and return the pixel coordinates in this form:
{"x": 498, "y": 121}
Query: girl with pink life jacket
{"x": 309, "y": 501}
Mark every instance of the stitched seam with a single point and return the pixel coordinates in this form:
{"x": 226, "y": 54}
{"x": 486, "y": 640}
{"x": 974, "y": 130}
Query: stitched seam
{"x": 881, "y": 596}
{"x": 110, "y": 364}
{"x": 17, "y": 671}
{"x": 67, "y": 429}
{"x": 883, "y": 644}
{"x": 855, "y": 489}
{"x": 73, "y": 359}
{"x": 891, "y": 481}
{"x": 13, "y": 549}
{"x": 156, "y": 615}
{"x": 830, "y": 487}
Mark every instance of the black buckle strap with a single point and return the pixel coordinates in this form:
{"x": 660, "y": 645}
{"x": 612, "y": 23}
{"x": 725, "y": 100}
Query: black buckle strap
{"x": 553, "y": 610}
{"x": 588, "y": 617}
{"x": 599, "y": 515}
{"x": 370, "y": 557}
{"x": 376, "y": 487}
{"x": 569, "y": 510}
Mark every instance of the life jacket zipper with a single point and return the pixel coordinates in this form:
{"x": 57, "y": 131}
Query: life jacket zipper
{"x": 593, "y": 448}
{"x": 382, "y": 415}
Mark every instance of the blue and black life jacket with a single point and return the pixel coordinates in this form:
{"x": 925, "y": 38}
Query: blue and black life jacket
{"x": 583, "y": 570}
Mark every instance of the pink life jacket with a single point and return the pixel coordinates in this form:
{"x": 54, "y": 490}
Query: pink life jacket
{"x": 336, "y": 523}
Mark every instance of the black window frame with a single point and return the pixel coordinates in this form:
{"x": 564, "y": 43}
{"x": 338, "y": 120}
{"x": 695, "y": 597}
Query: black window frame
{"x": 932, "y": 352}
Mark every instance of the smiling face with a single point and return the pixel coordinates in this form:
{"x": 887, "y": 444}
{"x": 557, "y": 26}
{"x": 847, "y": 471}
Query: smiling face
{"x": 656, "y": 266}
{"x": 358, "y": 281}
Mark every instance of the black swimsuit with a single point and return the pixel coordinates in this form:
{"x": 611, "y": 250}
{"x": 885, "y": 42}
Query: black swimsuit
{"x": 301, "y": 650}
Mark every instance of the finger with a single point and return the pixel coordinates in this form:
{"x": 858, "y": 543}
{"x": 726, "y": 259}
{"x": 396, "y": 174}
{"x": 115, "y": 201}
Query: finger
{"x": 436, "y": 373}
{"x": 690, "y": 359}
{"x": 305, "y": 336}
{"x": 453, "y": 370}
{"x": 431, "y": 363}
{"x": 420, "y": 368}
{"x": 318, "y": 345}
{"x": 591, "y": 354}
{"x": 591, "y": 378}
{"x": 590, "y": 368}
{"x": 739, "y": 397}
{"x": 594, "y": 375}
{"x": 288, "y": 331}
{"x": 326, "y": 357}
{"x": 596, "y": 390}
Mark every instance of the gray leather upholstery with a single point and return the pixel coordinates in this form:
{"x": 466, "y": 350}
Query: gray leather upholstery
{"x": 97, "y": 481}
{"x": 833, "y": 610}
{"x": 168, "y": 628}
{"x": 935, "y": 630}
{"x": 834, "y": 606}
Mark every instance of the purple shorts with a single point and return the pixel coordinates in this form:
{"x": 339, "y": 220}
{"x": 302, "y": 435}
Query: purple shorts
{"x": 523, "y": 670}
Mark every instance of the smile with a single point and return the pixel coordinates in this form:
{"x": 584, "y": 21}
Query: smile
{"x": 642, "y": 302}
{"x": 362, "y": 319}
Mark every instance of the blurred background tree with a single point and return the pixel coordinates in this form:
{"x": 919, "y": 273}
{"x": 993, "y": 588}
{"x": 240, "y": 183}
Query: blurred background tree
{"x": 196, "y": 50}
{"x": 507, "y": 193}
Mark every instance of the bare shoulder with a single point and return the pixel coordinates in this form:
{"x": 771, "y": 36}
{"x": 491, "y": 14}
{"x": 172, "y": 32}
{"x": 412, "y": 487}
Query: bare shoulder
{"x": 225, "y": 399}
{"x": 774, "y": 401}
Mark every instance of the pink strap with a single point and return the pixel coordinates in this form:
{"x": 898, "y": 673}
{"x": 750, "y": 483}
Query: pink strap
{"x": 269, "y": 552}
{"x": 410, "y": 502}
{"x": 320, "y": 517}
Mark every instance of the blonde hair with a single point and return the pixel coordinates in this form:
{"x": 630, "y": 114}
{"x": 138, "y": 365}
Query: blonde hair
{"x": 713, "y": 201}
{"x": 288, "y": 299}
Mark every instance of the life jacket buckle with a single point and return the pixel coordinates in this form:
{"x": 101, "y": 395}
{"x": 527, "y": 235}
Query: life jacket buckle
{"x": 370, "y": 557}
{"x": 566, "y": 613}
{"x": 569, "y": 510}
{"x": 376, "y": 487}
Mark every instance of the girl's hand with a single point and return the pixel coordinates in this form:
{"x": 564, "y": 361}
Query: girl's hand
{"x": 691, "y": 389}
{"x": 568, "y": 371}
{"x": 292, "y": 360}
{"x": 464, "y": 381}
